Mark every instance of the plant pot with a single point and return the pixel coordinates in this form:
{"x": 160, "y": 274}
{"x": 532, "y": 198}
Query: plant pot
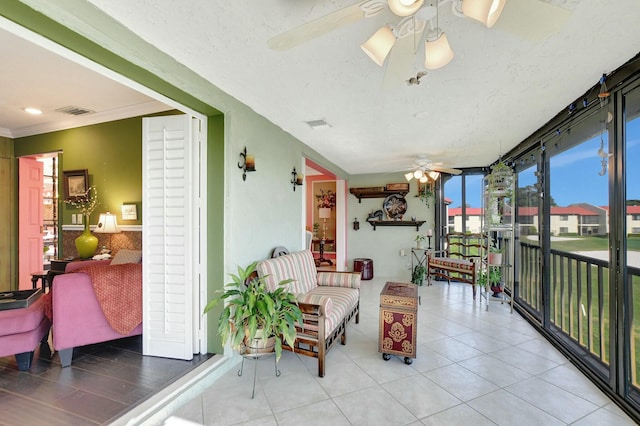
{"x": 495, "y": 258}
{"x": 86, "y": 243}
{"x": 259, "y": 345}
{"x": 419, "y": 244}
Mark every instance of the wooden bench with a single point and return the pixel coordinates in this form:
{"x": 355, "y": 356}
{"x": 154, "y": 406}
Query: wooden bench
{"x": 459, "y": 261}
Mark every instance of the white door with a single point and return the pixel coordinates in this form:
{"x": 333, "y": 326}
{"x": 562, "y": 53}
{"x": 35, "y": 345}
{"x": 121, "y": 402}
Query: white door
{"x": 170, "y": 236}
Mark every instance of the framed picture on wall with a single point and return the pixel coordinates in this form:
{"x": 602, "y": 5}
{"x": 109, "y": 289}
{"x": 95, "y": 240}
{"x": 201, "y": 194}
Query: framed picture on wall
{"x": 76, "y": 183}
{"x": 129, "y": 212}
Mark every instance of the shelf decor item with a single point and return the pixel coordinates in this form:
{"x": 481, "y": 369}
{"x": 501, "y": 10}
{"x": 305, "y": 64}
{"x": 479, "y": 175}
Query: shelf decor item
{"x": 86, "y": 243}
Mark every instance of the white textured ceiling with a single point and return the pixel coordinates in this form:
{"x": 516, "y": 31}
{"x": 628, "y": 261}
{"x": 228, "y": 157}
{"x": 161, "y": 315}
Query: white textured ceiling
{"x": 502, "y": 85}
{"x": 34, "y": 76}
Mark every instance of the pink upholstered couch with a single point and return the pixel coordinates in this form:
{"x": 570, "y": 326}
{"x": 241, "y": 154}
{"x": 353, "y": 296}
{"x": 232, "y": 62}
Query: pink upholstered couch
{"x": 77, "y": 317}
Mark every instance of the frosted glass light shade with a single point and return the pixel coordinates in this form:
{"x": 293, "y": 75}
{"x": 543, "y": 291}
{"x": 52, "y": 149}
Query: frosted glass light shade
{"x": 405, "y": 7}
{"x": 107, "y": 224}
{"x": 417, "y": 174}
{"x": 408, "y": 176}
{"x": 424, "y": 179}
{"x": 485, "y": 11}
{"x": 433, "y": 175}
{"x": 438, "y": 53}
{"x": 379, "y": 45}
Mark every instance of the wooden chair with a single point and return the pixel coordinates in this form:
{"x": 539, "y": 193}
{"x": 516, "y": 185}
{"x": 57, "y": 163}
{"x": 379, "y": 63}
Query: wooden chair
{"x": 460, "y": 261}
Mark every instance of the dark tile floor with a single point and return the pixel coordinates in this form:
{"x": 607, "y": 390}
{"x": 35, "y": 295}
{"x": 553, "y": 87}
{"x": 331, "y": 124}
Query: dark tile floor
{"x": 103, "y": 382}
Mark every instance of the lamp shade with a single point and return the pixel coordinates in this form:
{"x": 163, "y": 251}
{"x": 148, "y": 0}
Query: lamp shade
{"x": 417, "y": 174}
{"x": 324, "y": 213}
{"x": 408, "y": 176}
{"x": 107, "y": 224}
{"x": 379, "y": 45}
{"x": 433, "y": 175}
{"x": 405, "y": 7}
{"x": 485, "y": 11}
{"x": 437, "y": 53}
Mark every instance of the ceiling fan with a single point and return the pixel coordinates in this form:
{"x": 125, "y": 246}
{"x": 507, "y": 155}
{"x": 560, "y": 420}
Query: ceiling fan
{"x": 424, "y": 170}
{"x": 414, "y": 16}
{"x": 396, "y": 44}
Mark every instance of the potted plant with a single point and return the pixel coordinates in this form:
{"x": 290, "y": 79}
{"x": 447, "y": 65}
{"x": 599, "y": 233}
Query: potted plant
{"x": 495, "y": 255}
{"x": 418, "y": 274}
{"x": 419, "y": 240}
{"x": 253, "y": 313}
{"x": 495, "y": 280}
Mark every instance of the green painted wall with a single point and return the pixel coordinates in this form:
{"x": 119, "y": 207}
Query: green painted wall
{"x": 111, "y": 152}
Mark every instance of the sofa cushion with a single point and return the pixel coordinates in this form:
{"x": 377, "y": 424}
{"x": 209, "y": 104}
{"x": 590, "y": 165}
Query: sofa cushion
{"x": 339, "y": 279}
{"x": 316, "y": 299}
{"x": 127, "y": 256}
{"x": 344, "y": 301}
{"x": 452, "y": 264}
{"x": 298, "y": 266}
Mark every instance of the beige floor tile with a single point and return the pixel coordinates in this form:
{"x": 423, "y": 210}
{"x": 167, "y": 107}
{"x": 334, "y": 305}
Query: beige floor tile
{"x": 426, "y": 359}
{"x": 384, "y": 371}
{"x": 233, "y": 404}
{"x": 495, "y": 370}
{"x": 603, "y": 417}
{"x": 345, "y": 377}
{"x": 453, "y": 349}
{"x": 459, "y": 415}
{"x": 543, "y": 348}
{"x": 558, "y": 402}
{"x": 462, "y": 383}
{"x": 503, "y": 408}
{"x": 421, "y": 396}
{"x": 320, "y": 413}
{"x": 524, "y": 360}
{"x": 293, "y": 391}
{"x": 481, "y": 342}
{"x": 570, "y": 379}
{"x": 373, "y": 406}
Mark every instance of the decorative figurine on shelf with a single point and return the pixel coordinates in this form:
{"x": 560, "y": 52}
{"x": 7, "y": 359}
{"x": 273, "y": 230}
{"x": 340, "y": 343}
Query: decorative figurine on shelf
{"x": 375, "y": 215}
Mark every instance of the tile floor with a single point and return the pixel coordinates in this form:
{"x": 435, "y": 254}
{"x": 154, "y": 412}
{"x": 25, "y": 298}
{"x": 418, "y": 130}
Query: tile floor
{"x": 472, "y": 367}
{"x": 104, "y": 381}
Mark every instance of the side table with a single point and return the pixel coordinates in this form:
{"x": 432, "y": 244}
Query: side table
{"x": 42, "y": 276}
{"x": 398, "y": 321}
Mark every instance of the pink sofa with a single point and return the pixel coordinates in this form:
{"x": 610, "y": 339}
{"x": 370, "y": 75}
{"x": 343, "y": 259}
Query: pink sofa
{"x": 77, "y": 317}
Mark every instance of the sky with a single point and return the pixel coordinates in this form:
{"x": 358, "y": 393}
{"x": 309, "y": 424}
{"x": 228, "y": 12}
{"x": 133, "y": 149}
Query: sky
{"x": 574, "y": 174}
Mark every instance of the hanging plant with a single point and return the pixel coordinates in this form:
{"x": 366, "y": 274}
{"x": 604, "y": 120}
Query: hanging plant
{"x": 425, "y": 193}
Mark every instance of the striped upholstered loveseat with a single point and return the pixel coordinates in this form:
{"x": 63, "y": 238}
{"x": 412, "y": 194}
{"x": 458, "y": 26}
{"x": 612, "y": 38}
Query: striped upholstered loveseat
{"x": 328, "y": 300}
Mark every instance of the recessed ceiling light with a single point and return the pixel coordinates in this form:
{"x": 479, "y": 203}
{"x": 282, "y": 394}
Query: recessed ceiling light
{"x": 34, "y": 111}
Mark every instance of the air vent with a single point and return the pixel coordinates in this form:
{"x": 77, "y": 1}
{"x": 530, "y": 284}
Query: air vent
{"x": 317, "y": 124}
{"x": 74, "y": 110}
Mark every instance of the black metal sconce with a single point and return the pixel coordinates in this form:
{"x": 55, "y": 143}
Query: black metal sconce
{"x": 297, "y": 179}
{"x": 356, "y": 224}
{"x": 247, "y": 163}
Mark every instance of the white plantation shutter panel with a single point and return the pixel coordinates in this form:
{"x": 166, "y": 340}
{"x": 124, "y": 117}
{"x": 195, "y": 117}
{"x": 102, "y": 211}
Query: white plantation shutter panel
{"x": 167, "y": 239}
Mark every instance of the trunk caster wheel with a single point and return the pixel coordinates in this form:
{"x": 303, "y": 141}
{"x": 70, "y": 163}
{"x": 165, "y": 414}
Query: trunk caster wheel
{"x": 386, "y": 357}
{"x": 408, "y": 360}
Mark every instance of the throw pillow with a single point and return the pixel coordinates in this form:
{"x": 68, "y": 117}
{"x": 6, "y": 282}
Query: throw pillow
{"x": 127, "y": 256}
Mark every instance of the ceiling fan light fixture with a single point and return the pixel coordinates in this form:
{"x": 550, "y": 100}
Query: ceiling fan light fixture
{"x": 408, "y": 176}
{"x": 485, "y": 11}
{"x": 379, "y": 45}
{"x": 405, "y": 7}
{"x": 433, "y": 175}
{"x": 437, "y": 53}
{"x": 424, "y": 179}
{"x": 417, "y": 174}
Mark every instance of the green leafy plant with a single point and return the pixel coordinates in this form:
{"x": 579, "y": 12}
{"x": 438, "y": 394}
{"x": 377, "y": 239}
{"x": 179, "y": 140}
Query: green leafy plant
{"x": 418, "y": 274}
{"x": 252, "y": 310}
{"x": 493, "y": 277}
{"x": 420, "y": 238}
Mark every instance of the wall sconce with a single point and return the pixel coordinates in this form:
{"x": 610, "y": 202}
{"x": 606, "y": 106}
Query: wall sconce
{"x": 356, "y": 224}
{"x": 247, "y": 163}
{"x": 297, "y": 179}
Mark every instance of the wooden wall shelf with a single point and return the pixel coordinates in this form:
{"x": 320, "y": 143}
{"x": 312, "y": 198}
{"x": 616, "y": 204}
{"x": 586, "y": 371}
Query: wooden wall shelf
{"x": 416, "y": 223}
{"x": 361, "y": 193}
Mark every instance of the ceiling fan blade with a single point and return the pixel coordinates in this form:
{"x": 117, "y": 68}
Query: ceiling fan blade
{"x": 401, "y": 59}
{"x": 320, "y": 26}
{"x": 532, "y": 20}
{"x": 444, "y": 169}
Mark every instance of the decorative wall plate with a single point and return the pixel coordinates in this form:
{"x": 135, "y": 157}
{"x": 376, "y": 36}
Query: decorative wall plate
{"x": 395, "y": 206}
